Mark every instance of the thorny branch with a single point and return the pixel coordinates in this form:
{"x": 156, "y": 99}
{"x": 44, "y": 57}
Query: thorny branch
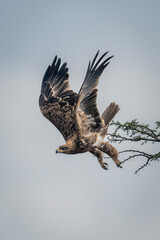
{"x": 136, "y": 132}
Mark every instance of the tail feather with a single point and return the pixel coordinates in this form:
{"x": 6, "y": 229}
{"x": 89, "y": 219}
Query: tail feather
{"x": 110, "y": 112}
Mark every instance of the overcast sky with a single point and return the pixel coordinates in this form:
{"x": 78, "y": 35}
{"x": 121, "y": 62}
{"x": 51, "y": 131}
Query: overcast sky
{"x": 49, "y": 196}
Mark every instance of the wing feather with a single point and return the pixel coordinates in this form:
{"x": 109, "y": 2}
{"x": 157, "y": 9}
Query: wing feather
{"x": 57, "y": 100}
{"x": 86, "y": 107}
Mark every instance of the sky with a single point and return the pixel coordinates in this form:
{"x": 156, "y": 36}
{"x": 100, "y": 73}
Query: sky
{"x": 49, "y": 196}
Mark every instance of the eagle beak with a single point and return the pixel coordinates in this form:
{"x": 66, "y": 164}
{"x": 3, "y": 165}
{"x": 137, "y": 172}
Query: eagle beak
{"x": 57, "y": 151}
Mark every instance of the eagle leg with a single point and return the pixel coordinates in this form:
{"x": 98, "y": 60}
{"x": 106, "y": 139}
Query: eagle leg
{"x": 110, "y": 151}
{"x": 99, "y": 155}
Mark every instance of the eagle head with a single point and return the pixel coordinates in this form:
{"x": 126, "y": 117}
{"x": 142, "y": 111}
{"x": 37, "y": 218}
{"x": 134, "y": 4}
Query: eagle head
{"x": 67, "y": 149}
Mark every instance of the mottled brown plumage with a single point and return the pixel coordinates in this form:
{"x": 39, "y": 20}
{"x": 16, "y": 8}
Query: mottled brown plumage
{"x": 76, "y": 115}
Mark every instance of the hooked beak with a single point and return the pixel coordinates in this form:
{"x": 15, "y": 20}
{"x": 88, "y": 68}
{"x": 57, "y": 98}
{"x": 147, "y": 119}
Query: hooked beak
{"x": 57, "y": 151}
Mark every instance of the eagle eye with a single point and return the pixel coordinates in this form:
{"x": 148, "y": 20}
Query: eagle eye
{"x": 63, "y": 148}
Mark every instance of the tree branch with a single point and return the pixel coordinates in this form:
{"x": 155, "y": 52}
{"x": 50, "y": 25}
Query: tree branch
{"x": 136, "y": 132}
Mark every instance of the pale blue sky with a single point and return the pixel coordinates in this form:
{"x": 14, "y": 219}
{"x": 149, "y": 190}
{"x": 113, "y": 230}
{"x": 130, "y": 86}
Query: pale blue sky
{"x": 45, "y": 196}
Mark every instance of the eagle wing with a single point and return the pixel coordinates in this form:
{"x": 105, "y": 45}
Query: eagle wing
{"x": 57, "y": 100}
{"x": 87, "y": 114}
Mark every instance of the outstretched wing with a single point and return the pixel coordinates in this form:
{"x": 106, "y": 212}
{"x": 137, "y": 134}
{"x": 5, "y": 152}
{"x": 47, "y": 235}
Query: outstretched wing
{"x": 87, "y": 114}
{"x": 57, "y": 100}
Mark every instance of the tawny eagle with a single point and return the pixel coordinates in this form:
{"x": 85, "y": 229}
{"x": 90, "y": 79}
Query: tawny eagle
{"x": 76, "y": 115}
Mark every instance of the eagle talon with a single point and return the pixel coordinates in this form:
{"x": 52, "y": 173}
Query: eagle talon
{"x": 118, "y": 163}
{"x": 105, "y": 166}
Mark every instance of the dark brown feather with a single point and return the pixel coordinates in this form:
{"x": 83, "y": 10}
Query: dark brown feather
{"x": 57, "y": 100}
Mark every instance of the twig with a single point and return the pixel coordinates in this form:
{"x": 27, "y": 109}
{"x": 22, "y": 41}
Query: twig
{"x": 137, "y": 153}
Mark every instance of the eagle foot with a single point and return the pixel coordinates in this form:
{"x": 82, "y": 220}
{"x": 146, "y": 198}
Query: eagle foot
{"x": 118, "y": 163}
{"x": 104, "y": 165}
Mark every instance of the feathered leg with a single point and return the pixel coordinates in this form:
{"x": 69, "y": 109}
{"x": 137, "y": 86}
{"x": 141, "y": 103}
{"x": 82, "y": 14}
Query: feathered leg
{"x": 111, "y": 151}
{"x": 99, "y": 155}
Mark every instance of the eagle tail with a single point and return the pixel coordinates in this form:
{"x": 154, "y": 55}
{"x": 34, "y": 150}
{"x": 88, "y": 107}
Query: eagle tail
{"x": 109, "y": 113}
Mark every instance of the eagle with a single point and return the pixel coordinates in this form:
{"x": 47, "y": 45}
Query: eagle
{"x": 76, "y": 116}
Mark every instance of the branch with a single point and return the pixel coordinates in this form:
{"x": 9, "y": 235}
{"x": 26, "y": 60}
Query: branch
{"x": 119, "y": 138}
{"x": 137, "y": 153}
{"x": 136, "y": 132}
